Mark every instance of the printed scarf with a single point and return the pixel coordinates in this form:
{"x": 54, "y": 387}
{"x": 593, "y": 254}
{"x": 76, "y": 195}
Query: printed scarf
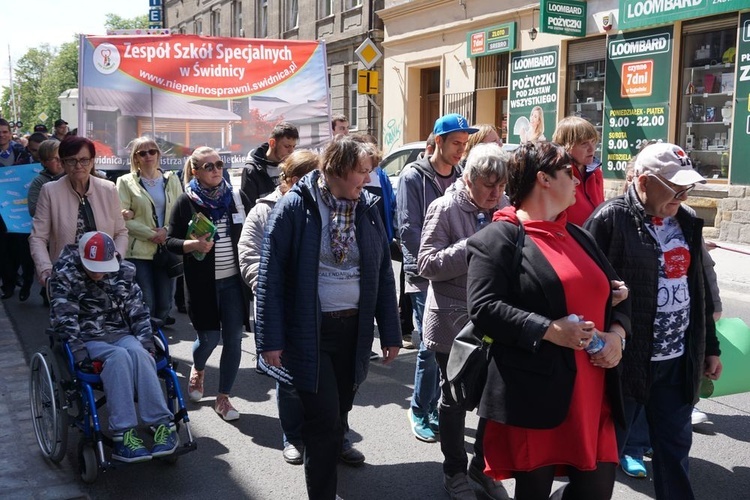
{"x": 341, "y": 220}
{"x": 216, "y": 199}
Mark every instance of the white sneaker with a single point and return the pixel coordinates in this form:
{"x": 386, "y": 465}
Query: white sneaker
{"x": 698, "y": 417}
{"x": 224, "y": 408}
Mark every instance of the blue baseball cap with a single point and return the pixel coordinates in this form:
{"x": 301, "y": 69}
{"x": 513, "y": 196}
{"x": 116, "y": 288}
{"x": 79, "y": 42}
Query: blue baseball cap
{"x": 452, "y": 122}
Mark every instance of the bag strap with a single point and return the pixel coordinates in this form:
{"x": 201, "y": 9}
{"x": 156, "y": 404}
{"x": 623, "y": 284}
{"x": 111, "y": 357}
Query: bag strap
{"x": 518, "y": 255}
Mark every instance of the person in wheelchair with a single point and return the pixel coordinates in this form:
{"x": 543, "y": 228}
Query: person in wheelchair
{"x": 97, "y": 307}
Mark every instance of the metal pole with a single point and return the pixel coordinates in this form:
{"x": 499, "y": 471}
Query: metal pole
{"x": 13, "y": 106}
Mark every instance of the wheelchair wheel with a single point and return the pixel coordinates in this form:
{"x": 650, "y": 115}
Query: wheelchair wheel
{"x": 48, "y": 414}
{"x": 87, "y": 463}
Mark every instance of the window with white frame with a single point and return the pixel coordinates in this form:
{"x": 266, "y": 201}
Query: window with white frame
{"x": 215, "y": 23}
{"x": 353, "y": 97}
{"x": 261, "y": 28}
{"x": 198, "y": 27}
{"x": 292, "y": 15}
{"x": 325, "y": 8}
{"x": 350, "y": 4}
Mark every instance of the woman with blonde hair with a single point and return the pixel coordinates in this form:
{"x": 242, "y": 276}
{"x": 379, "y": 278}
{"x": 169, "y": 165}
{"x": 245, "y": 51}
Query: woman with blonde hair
{"x": 217, "y": 299}
{"x": 487, "y": 133}
{"x": 149, "y": 194}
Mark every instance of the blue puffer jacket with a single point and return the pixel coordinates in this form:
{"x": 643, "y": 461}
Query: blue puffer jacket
{"x": 288, "y": 308}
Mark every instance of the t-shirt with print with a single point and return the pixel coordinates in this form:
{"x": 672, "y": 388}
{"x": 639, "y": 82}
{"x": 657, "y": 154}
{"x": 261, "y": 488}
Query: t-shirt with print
{"x": 338, "y": 282}
{"x": 673, "y": 297}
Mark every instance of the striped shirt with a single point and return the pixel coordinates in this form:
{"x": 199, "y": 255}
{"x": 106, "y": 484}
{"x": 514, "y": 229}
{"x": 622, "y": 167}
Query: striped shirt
{"x": 225, "y": 265}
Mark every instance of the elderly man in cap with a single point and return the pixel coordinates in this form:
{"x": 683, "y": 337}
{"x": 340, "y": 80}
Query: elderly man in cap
{"x": 655, "y": 245}
{"x": 96, "y": 305}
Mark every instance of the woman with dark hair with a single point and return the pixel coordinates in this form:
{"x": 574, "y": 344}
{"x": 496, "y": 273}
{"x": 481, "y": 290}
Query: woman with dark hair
{"x": 149, "y": 193}
{"x": 325, "y": 257}
{"x": 550, "y": 403}
{"x": 217, "y": 298}
{"x": 76, "y": 204}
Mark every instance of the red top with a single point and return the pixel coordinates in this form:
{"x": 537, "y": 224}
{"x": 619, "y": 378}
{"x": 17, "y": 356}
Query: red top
{"x": 587, "y": 435}
{"x": 589, "y": 195}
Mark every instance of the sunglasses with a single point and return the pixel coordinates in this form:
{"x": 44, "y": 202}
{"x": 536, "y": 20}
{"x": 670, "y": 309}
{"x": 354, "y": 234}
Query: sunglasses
{"x": 151, "y": 152}
{"x": 677, "y": 194}
{"x": 72, "y": 162}
{"x": 210, "y": 166}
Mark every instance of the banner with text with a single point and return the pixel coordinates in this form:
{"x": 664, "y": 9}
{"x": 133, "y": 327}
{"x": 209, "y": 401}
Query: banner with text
{"x": 636, "y": 105}
{"x": 641, "y": 13}
{"x": 188, "y": 91}
{"x": 740, "y": 170}
{"x": 563, "y": 17}
{"x": 14, "y": 188}
{"x": 533, "y": 94}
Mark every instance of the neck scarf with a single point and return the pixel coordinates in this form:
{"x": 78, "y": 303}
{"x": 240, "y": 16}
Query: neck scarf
{"x": 216, "y": 199}
{"x": 341, "y": 220}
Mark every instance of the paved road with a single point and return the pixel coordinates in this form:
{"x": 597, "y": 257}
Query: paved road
{"x": 243, "y": 459}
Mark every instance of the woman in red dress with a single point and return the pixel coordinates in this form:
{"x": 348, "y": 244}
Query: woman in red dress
{"x": 551, "y": 405}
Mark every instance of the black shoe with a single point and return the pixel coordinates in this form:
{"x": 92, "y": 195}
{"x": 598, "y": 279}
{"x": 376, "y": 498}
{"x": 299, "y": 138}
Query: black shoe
{"x": 23, "y": 295}
{"x": 181, "y": 308}
{"x": 7, "y": 295}
{"x": 169, "y": 320}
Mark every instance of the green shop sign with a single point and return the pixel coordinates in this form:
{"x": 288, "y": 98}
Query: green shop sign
{"x": 563, "y": 17}
{"x": 636, "y": 104}
{"x": 533, "y": 94}
{"x": 500, "y": 38}
{"x": 739, "y": 172}
{"x": 640, "y": 13}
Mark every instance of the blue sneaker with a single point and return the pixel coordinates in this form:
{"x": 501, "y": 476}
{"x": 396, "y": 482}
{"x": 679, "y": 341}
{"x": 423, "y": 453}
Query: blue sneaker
{"x": 633, "y": 467}
{"x": 433, "y": 421}
{"x": 129, "y": 448}
{"x": 420, "y": 427}
{"x": 166, "y": 440}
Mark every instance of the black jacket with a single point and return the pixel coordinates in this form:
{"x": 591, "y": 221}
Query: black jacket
{"x": 200, "y": 276}
{"x": 529, "y": 381}
{"x": 619, "y": 228}
{"x": 256, "y": 182}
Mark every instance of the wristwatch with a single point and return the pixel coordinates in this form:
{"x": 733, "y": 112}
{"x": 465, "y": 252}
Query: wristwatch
{"x": 622, "y": 341}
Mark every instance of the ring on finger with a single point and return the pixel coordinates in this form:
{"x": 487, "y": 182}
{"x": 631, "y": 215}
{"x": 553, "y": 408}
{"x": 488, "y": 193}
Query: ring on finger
{"x": 580, "y": 343}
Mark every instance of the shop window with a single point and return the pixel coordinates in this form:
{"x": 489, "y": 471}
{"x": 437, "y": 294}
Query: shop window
{"x": 707, "y": 94}
{"x": 586, "y": 72}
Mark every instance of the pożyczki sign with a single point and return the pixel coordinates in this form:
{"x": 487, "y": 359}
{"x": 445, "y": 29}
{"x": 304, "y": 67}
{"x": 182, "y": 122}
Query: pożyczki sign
{"x": 493, "y": 40}
{"x": 533, "y": 94}
{"x": 640, "y": 13}
{"x": 636, "y": 105}
{"x": 741, "y": 112}
{"x": 563, "y": 17}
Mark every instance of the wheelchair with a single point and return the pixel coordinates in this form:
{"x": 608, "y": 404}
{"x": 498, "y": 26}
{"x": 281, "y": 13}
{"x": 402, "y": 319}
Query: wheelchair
{"x": 62, "y": 397}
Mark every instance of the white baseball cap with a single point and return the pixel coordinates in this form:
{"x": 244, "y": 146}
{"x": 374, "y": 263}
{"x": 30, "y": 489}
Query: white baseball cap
{"x": 668, "y": 161}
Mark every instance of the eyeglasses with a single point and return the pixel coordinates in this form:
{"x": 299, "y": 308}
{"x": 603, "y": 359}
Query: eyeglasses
{"x": 72, "y": 162}
{"x": 677, "y": 194}
{"x": 210, "y": 166}
{"x": 151, "y": 152}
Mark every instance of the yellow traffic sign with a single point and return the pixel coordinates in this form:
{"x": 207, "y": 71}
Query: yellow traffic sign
{"x": 368, "y": 53}
{"x": 367, "y": 82}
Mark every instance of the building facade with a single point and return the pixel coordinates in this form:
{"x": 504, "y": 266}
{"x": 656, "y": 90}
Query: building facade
{"x": 638, "y": 70}
{"x": 343, "y": 24}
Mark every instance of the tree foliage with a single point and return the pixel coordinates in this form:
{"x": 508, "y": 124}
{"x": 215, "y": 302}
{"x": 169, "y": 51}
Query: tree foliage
{"x": 45, "y": 72}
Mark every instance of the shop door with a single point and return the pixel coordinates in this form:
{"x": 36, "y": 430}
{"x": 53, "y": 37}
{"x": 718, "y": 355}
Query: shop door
{"x": 430, "y": 101}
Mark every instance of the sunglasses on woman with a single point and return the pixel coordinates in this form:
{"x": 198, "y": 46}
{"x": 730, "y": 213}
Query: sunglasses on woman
{"x": 150, "y": 152}
{"x": 210, "y": 166}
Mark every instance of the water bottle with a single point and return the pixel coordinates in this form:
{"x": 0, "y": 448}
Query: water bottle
{"x": 596, "y": 344}
{"x": 481, "y": 220}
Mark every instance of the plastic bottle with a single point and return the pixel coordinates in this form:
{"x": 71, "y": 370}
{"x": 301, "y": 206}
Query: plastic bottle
{"x": 596, "y": 344}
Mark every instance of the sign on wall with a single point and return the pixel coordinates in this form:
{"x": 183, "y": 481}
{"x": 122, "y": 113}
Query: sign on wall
{"x": 640, "y": 13}
{"x": 14, "y": 188}
{"x": 636, "y": 105}
{"x": 563, "y": 17}
{"x": 740, "y": 173}
{"x": 533, "y": 94}
{"x": 494, "y": 40}
{"x": 188, "y": 91}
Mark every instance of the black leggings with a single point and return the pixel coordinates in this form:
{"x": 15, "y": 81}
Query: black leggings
{"x": 584, "y": 485}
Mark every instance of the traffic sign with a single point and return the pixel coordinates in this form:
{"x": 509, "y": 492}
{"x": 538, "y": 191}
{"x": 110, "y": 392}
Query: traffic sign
{"x": 43, "y": 116}
{"x": 368, "y": 53}
{"x": 367, "y": 82}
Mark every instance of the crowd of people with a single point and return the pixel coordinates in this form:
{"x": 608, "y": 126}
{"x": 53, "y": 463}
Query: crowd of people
{"x": 601, "y": 312}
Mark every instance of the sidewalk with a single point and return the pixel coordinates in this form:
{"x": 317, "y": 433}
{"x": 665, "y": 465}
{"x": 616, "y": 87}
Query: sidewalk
{"x": 732, "y": 267}
{"x": 24, "y": 472}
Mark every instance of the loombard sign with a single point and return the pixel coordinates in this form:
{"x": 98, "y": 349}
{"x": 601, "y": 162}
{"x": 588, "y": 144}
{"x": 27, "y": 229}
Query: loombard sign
{"x": 640, "y": 13}
{"x": 189, "y": 91}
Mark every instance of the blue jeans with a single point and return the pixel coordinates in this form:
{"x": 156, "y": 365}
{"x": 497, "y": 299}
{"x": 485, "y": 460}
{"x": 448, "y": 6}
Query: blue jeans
{"x": 129, "y": 369}
{"x": 291, "y": 413}
{"x": 426, "y": 380}
{"x": 637, "y": 442}
{"x": 231, "y": 311}
{"x": 157, "y": 287}
{"x": 668, "y": 413}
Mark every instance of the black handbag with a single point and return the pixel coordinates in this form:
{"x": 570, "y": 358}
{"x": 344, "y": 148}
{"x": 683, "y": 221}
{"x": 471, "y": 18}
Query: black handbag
{"x": 167, "y": 260}
{"x": 471, "y": 353}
